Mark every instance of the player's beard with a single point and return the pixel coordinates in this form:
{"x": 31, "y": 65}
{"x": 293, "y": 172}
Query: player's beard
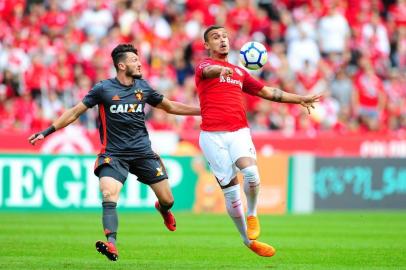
{"x": 223, "y": 54}
{"x": 131, "y": 74}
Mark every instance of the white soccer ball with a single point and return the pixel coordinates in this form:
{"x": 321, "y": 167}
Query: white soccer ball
{"x": 253, "y": 55}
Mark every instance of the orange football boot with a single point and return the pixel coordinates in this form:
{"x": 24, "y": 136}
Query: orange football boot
{"x": 253, "y": 228}
{"x": 262, "y": 249}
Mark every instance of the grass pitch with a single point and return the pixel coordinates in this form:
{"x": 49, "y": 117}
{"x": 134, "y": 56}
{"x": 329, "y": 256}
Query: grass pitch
{"x": 355, "y": 240}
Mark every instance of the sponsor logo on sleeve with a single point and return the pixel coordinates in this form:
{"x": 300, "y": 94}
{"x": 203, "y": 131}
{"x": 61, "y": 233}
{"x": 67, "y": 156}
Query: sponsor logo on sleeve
{"x": 239, "y": 72}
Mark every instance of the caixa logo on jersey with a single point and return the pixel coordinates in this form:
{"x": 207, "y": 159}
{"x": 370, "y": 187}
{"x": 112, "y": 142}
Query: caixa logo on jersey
{"x": 126, "y": 108}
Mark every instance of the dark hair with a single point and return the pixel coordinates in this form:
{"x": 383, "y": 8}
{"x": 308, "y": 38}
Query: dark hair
{"x": 206, "y": 33}
{"x": 119, "y": 53}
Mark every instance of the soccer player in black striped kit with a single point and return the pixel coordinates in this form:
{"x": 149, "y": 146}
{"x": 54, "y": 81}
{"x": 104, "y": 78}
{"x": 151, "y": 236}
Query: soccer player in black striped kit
{"x": 126, "y": 146}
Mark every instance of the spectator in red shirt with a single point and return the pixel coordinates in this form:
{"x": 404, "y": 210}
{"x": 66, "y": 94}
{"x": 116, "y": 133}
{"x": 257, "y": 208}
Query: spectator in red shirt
{"x": 376, "y": 40}
{"x": 25, "y": 110}
{"x": 63, "y": 73}
{"x": 7, "y": 113}
{"x": 55, "y": 19}
{"x": 208, "y": 8}
{"x": 369, "y": 98}
{"x": 37, "y": 77}
{"x": 9, "y": 84}
{"x": 310, "y": 79}
{"x": 397, "y": 12}
{"x": 12, "y": 11}
{"x": 241, "y": 14}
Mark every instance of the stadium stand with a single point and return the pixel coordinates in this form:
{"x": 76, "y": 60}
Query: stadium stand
{"x": 52, "y": 52}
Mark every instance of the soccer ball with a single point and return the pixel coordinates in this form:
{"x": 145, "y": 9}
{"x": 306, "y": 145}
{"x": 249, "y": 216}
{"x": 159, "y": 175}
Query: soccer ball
{"x": 253, "y": 55}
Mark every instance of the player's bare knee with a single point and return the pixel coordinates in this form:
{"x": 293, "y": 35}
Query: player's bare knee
{"x": 251, "y": 175}
{"x": 107, "y": 195}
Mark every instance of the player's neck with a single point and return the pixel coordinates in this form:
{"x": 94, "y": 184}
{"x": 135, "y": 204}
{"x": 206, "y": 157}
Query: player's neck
{"x": 124, "y": 80}
{"x": 219, "y": 57}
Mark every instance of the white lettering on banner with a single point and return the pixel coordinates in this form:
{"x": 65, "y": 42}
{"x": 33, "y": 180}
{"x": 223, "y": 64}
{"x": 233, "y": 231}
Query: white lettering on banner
{"x": 23, "y": 191}
{"x": 92, "y": 193}
{"x": 379, "y": 148}
{"x": 31, "y": 184}
{"x": 72, "y": 186}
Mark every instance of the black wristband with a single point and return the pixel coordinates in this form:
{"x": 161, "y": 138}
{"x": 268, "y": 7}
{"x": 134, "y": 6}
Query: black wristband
{"x": 48, "y": 131}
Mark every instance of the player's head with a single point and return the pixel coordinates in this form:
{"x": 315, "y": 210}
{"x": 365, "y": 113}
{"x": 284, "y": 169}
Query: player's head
{"x": 216, "y": 40}
{"x": 126, "y": 60}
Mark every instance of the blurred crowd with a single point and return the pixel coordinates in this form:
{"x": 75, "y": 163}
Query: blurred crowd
{"x": 354, "y": 51}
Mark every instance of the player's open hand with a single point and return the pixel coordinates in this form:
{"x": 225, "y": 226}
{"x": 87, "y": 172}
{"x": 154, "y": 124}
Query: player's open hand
{"x": 35, "y": 137}
{"x": 309, "y": 100}
{"x": 226, "y": 72}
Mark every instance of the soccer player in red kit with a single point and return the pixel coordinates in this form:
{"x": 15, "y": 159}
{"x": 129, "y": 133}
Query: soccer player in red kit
{"x": 225, "y": 138}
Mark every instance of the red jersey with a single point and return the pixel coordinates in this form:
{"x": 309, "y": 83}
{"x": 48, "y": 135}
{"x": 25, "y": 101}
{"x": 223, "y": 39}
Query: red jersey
{"x": 369, "y": 89}
{"x": 221, "y": 99}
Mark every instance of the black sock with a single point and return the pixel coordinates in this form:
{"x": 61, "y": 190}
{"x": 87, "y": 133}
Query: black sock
{"x": 110, "y": 221}
{"x": 165, "y": 207}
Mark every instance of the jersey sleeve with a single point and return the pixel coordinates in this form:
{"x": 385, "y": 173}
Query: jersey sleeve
{"x": 199, "y": 70}
{"x": 154, "y": 98}
{"x": 250, "y": 85}
{"x": 93, "y": 96}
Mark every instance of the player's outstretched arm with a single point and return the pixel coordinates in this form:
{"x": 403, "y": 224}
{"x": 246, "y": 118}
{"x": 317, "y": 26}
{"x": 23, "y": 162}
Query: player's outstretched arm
{"x": 215, "y": 71}
{"x": 277, "y": 95}
{"x": 64, "y": 120}
{"x": 178, "y": 108}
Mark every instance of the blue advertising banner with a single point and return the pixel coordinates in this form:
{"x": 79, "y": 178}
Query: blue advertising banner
{"x": 355, "y": 183}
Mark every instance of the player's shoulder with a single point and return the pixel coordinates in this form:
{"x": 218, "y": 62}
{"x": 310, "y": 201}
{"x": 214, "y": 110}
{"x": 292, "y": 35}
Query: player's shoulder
{"x": 143, "y": 84}
{"x": 205, "y": 62}
{"x": 98, "y": 86}
{"x": 103, "y": 84}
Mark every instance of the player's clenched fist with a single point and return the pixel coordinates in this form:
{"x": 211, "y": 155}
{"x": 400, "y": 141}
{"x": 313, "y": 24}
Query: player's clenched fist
{"x": 226, "y": 72}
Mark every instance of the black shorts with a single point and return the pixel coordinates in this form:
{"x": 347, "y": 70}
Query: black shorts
{"x": 149, "y": 170}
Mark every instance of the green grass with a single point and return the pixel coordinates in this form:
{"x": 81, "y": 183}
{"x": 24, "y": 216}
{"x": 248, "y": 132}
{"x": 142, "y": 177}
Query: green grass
{"x": 354, "y": 240}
